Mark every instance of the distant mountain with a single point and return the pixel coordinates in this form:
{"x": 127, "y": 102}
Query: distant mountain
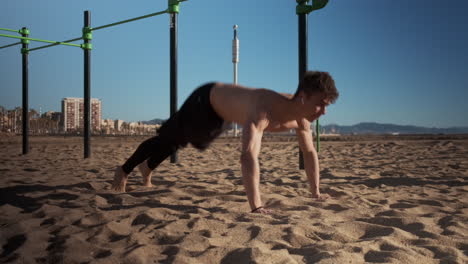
{"x": 370, "y": 128}
{"x": 155, "y": 121}
{"x": 376, "y": 128}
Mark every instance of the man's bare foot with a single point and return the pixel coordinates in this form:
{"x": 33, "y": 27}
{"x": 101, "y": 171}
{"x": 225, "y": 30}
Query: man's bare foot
{"x": 262, "y": 210}
{"x": 120, "y": 180}
{"x": 146, "y": 173}
{"x": 322, "y": 196}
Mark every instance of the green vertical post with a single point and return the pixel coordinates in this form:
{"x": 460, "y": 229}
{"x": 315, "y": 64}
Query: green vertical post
{"x": 173, "y": 10}
{"x": 87, "y": 36}
{"x": 302, "y": 58}
{"x": 302, "y": 10}
{"x": 25, "y": 61}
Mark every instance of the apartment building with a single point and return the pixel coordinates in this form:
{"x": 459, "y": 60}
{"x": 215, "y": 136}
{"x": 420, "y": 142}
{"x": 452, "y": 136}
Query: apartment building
{"x": 73, "y": 114}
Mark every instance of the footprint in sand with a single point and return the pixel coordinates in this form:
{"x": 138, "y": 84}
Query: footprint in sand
{"x": 12, "y": 244}
{"x": 103, "y": 254}
{"x": 335, "y": 207}
{"x": 254, "y": 231}
{"x": 403, "y": 205}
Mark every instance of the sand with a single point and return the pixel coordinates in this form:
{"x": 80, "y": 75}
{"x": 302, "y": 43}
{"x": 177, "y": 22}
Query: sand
{"x": 394, "y": 201}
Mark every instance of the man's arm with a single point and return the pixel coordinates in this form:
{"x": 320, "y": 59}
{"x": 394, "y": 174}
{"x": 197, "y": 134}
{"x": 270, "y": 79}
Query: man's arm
{"x": 311, "y": 162}
{"x": 251, "y": 143}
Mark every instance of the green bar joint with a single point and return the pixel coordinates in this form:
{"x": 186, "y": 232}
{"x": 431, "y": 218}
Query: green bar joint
{"x": 303, "y": 8}
{"x": 24, "y": 51}
{"x": 87, "y": 46}
{"x": 87, "y": 33}
{"x": 173, "y": 6}
{"x": 24, "y": 32}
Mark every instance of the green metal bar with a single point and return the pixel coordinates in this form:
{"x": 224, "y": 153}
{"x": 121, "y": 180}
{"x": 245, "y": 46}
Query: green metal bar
{"x": 11, "y": 30}
{"x": 41, "y": 40}
{"x": 55, "y": 44}
{"x": 11, "y": 45}
{"x": 129, "y": 20}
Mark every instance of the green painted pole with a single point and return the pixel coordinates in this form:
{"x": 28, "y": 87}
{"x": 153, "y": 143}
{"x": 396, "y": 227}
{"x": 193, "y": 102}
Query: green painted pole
{"x": 25, "y": 74}
{"x": 302, "y": 10}
{"x": 87, "y": 84}
{"x": 173, "y": 11}
{"x": 302, "y": 59}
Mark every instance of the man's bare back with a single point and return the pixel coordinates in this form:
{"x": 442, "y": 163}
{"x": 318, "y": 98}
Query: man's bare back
{"x": 240, "y": 104}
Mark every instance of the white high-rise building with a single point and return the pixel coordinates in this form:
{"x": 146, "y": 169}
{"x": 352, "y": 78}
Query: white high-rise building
{"x": 73, "y": 114}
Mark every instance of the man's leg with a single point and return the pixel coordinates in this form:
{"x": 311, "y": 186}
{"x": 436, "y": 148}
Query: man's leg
{"x": 165, "y": 149}
{"x": 173, "y": 134}
{"x": 155, "y": 148}
{"x": 146, "y": 173}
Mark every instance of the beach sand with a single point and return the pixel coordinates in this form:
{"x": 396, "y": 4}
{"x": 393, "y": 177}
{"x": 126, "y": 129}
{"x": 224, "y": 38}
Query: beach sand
{"x": 394, "y": 201}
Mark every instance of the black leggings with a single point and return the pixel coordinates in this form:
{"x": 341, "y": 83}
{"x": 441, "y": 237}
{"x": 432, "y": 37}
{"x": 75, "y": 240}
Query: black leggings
{"x": 196, "y": 123}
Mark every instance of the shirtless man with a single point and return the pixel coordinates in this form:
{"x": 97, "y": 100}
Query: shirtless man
{"x": 200, "y": 120}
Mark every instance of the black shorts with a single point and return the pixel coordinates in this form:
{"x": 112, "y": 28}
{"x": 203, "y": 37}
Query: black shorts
{"x": 196, "y": 122}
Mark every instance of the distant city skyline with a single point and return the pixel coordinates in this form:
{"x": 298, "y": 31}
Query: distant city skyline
{"x": 161, "y": 120}
{"x": 54, "y": 123}
{"x": 394, "y": 61}
{"x": 70, "y": 121}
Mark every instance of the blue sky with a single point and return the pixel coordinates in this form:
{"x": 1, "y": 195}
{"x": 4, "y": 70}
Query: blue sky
{"x": 394, "y": 61}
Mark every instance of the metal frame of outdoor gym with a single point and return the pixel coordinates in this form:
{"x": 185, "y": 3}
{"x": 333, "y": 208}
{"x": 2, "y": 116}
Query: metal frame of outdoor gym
{"x": 172, "y": 10}
{"x": 302, "y": 10}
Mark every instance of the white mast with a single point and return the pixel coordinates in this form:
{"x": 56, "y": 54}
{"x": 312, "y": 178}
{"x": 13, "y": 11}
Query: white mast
{"x": 235, "y": 60}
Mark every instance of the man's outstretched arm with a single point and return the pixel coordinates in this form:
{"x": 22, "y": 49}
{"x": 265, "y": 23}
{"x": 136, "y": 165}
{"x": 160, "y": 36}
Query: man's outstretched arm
{"x": 251, "y": 143}
{"x": 311, "y": 162}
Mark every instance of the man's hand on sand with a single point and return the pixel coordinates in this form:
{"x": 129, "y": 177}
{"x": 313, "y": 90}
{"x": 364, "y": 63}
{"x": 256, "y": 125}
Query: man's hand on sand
{"x": 321, "y": 196}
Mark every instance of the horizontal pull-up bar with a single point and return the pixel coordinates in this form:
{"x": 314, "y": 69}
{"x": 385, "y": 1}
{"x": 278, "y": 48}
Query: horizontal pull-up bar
{"x": 41, "y": 40}
{"x": 129, "y": 20}
{"x": 173, "y": 8}
{"x": 11, "y": 30}
{"x": 57, "y": 43}
{"x": 11, "y": 45}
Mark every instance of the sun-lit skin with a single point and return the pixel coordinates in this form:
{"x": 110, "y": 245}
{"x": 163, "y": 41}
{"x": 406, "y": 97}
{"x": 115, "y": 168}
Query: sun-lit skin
{"x": 260, "y": 110}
